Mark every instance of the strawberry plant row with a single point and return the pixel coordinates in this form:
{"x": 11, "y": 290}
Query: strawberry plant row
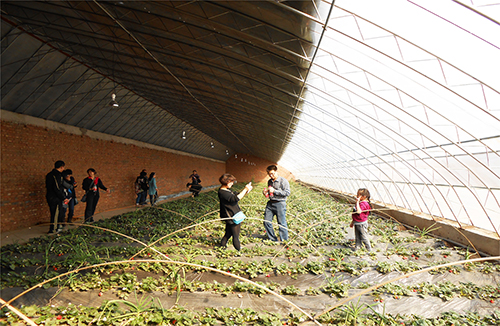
{"x": 150, "y": 312}
{"x": 188, "y": 231}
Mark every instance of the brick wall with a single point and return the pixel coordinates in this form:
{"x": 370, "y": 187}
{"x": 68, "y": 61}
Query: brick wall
{"x": 28, "y": 153}
{"x": 250, "y": 168}
{"x": 30, "y": 146}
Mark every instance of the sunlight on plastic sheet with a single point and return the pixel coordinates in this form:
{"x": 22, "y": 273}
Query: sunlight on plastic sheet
{"x": 406, "y": 102}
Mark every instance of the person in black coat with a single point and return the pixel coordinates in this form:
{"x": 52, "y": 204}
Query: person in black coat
{"x": 229, "y": 207}
{"x": 141, "y": 188}
{"x": 69, "y": 185}
{"x": 91, "y": 185}
{"x": 55, "y": 196}
{"x": 195, "y": 185}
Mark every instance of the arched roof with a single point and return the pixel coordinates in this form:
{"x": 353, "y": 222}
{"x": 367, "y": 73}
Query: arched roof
{"x": 401, "y": 97}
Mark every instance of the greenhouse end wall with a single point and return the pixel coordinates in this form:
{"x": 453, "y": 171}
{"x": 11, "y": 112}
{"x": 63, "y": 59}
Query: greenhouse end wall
{"x": 30, "y": 146}
{"x": 248, "y": 168}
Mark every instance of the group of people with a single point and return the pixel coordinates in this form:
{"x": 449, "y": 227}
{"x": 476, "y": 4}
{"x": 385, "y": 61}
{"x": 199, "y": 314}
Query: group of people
{"x": 277, "y": 191}
{"x": 145, "y": 186}
{"x": 61, "y": 195}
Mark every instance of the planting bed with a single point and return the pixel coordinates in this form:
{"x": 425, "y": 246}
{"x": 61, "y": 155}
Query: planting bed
{"x": 163, "y": 266}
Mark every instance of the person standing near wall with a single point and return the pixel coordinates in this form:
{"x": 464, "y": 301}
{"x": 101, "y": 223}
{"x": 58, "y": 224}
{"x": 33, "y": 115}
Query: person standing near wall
{"x": 91, "y": 185}
{"x": 153, "y": 189}
{"x": 278, "y": 189}
{"x": 55, "y": 196}
{"x": 141, "y": 188}
{"x": 69, "y": 185}
{"x": 195, "y": 184}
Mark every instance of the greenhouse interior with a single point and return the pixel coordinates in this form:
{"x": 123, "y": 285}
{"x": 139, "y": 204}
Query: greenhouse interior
{"x": 302, "y": 109}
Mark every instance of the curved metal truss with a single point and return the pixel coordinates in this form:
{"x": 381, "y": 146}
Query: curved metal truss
{"x": 407, "y": 107}
{"x": 346, "y": 94}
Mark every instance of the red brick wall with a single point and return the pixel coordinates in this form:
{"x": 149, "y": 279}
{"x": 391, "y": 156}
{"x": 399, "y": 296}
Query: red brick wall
{"x": 28, "y": 153}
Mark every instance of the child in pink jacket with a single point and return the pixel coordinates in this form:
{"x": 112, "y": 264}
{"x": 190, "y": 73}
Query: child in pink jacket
{"x": 360, "y": 219}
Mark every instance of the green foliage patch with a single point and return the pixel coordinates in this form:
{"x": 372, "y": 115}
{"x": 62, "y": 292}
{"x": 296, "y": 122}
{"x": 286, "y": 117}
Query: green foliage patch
{"x": 182, "y": 239}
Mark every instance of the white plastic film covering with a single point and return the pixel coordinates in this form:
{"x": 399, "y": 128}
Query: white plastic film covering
{"x": 403, "y": 99}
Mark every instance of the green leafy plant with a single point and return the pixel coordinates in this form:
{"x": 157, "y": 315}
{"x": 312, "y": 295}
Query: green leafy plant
{"x": 335, "y": 287}
{"x": 170, "y": 233}
{"x": 426, "y": 231}
{"x": 291, "y": 290}
{"x": 352, "y": 311}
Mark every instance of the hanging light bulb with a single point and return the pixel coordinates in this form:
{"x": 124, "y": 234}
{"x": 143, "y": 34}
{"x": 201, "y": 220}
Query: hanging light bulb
{"x": 212, "y": 144}
{"x": 183, "y": 135}
{"x": 235, "y": 155}
{"x": 113, "y": 103}
{"x": 227, "y": 152}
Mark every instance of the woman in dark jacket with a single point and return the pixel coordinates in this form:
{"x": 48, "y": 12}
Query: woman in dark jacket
{"x": 229, "y": 207}
{"x": 141, "y": 188}
{"x": 69, "y": 185}
{"x": 195, "y": 185}
{"x": 91, "y": 185}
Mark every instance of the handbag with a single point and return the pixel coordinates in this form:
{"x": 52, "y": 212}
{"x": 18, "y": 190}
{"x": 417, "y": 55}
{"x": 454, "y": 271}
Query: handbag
{"x": 84, "y": 198}
{"x": 239, "y": 217}
{"x": 350, "y": 233}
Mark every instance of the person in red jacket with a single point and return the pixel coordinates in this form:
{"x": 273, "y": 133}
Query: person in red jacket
{"x": 91, "y": 185}
{"x": 360, "y": 219}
